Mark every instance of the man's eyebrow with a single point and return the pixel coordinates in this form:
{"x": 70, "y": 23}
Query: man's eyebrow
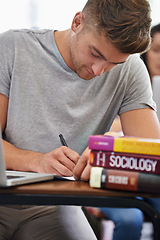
{"x": 101, "y": 55}
{"x": 97, "y": 51}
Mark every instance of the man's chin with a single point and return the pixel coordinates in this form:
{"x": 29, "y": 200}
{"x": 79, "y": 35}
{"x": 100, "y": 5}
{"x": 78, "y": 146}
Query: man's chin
{"x": 85, "y": 76}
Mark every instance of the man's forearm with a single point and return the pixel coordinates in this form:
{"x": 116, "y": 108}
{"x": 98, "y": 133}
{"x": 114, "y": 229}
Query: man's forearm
{"x": 21, "y": 160}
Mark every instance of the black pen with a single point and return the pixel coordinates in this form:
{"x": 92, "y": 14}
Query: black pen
{"x": 63, "y": 142}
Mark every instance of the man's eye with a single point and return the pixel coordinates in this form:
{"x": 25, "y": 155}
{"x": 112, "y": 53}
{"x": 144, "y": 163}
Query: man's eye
{"x": 94, "y": 55}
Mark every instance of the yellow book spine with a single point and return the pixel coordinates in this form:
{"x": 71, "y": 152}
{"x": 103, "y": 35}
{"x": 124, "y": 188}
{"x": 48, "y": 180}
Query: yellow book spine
{"x": 136, "y": 145}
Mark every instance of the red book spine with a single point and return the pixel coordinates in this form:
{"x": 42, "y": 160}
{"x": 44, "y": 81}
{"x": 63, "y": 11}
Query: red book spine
{"x": 122, "y": 180}
{"x": 125, "y": 161}
{"x": 130, "y": 181}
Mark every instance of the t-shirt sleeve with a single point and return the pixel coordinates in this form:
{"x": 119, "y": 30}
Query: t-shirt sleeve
{"x": 138, "y": 92}
{"x": 6, "y": 61}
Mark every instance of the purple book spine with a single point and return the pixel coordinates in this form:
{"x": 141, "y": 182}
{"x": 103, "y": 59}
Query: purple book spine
{"x": 103, "y": 142}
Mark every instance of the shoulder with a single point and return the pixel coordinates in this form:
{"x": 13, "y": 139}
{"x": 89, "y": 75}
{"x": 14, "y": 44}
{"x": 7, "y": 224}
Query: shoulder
{"x": 31, "y": 34}
{"x": 7, "y": 44}
{"x": 133, "y": 62}
{"x": 21, "y": 34}
{"x": 6, "y": 37}
{"x": 133, "y": 69}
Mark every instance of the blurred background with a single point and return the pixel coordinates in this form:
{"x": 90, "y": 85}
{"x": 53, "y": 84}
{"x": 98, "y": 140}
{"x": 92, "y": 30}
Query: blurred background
{"x": 52, "y": 14}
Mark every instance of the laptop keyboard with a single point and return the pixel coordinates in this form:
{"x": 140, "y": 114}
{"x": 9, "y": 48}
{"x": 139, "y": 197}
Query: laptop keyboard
{"x": 11, "y": 177}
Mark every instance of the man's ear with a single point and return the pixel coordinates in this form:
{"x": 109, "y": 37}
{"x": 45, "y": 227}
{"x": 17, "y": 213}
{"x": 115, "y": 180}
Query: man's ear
{"x": 77, "y": 21}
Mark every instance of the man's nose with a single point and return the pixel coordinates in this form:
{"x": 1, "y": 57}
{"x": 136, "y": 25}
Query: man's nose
{"x": 99, "y": 68}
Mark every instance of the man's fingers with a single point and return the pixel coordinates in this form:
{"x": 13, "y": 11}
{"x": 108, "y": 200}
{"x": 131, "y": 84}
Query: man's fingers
{"x": 72, "y": 155}
{"x": 86, "y": 173}
{"x": 79, "y": 168}
{"x": 62, "y": 160}
{"x": 62, "y": 170}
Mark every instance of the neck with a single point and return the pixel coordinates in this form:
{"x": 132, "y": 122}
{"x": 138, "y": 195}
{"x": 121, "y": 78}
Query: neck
{"x": 62, "y": 40}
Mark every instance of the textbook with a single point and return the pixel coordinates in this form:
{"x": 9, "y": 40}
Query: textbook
{"x": 124, "y": 144}
{"x": 125, "y": 161}
{"x": 124, "y": 180}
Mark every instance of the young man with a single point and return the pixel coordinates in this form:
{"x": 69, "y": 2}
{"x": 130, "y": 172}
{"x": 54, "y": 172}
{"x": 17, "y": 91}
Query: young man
{"x": 72, "y": 82}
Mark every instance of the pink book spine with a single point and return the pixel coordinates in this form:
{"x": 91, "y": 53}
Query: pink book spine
{"x": 126, "y": 161}
{"x": 101, "y": 142}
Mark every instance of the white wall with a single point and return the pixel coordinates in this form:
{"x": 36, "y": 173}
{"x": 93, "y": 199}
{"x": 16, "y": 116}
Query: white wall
{"x": 60, "y": 12}
{"x": 155, "y": 12}
{"x": 38, "y": 13}
{"x": 55, "y": 14}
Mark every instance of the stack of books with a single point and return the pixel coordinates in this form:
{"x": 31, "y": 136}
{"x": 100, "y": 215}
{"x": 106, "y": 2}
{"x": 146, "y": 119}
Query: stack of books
{"x": 125, "y": 163}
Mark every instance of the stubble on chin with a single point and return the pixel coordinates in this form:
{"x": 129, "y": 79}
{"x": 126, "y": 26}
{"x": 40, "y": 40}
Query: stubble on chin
{"x": 79, "y": 68}
{"x": 83, "y": 73}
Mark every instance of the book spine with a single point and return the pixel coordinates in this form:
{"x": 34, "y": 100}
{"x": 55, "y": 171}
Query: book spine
{"x": 137, "y": 145}
{"x": 124, "y": 144}
{"x": 101, "y": 142}
{"x": 125, "y": 161}
{"x": 124, "y": 180}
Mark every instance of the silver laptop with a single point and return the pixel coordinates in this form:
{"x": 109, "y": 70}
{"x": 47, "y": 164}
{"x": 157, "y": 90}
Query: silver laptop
{"x": 12, "y": 178}
{"x": 156, "y": 93}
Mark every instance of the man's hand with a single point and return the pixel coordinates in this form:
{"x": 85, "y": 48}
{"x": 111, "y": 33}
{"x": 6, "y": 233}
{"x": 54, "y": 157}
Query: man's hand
{"x": 82, "y": 168}
{"x": 60, "y": 161}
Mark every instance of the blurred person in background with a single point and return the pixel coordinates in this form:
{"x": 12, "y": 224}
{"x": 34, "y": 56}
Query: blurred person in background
{"x": 151, "y": 58}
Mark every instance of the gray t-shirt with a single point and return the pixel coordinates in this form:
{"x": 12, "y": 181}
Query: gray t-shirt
{"x": 47, "y": 98}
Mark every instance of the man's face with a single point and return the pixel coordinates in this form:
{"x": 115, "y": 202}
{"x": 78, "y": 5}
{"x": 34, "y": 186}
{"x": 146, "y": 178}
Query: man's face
{"x": 91, "y": 54}
{"x": 153, "y": 56}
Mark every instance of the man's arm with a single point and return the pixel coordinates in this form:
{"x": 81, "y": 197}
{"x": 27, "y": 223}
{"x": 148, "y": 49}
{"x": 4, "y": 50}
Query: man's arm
{"x": 3, "y": 110}
{"x": 139, "y": 123}
{"x": 60, "y": 161}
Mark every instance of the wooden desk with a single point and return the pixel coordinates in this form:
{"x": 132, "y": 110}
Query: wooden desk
{"x": 80, "y": 194}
